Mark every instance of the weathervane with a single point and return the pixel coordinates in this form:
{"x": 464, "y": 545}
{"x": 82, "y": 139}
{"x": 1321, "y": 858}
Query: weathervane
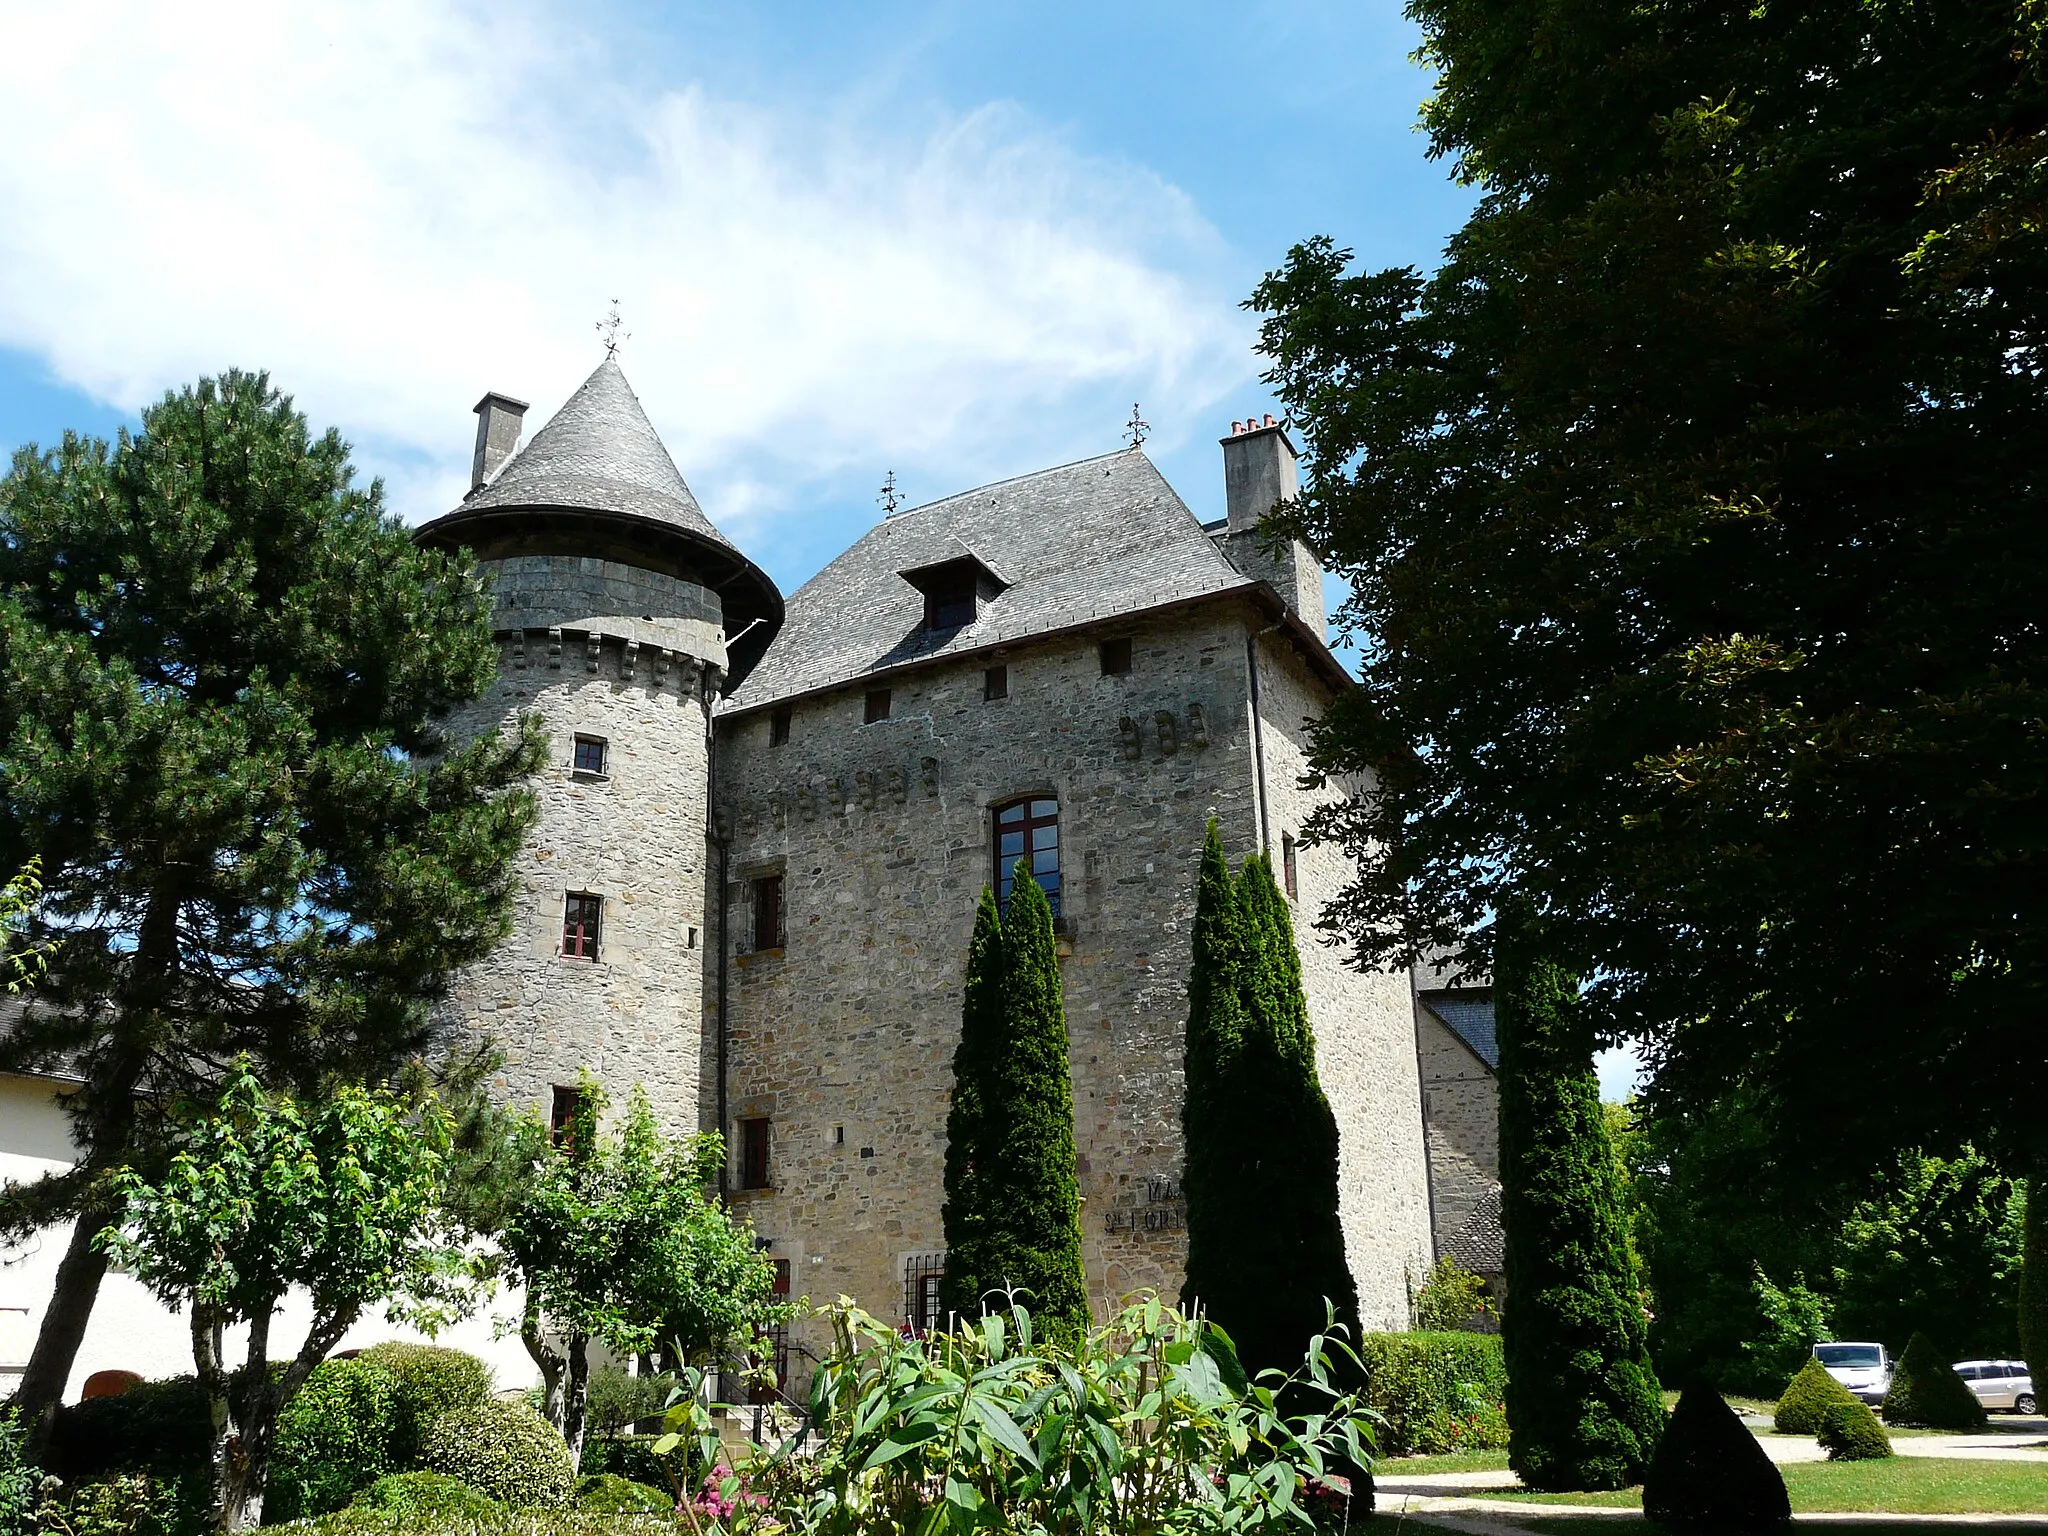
{"x": 1137, "y": 426}
{"x": 889, "y": 498}
{"x": 608, "y": 328}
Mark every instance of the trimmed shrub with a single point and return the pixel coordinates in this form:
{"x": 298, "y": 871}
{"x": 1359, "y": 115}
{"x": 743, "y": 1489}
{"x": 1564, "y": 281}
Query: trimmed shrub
{"x": 1437, "y": 1392}
{"x": 159, "y": 1426}
{"x": 428, "y": 1498}
{"x": 609, "y": 1494}
{"x": 1584, "y": 1407}
{"x": 1810, "y": 1401}
{"x": 1852, "y": 1433}
{"x": 617, "y": 1401}
{"x": 133, "y": 1504}
{"x": 333, "y": 1438}
{"x": 630, "y": 1456}
{"x": 1710, "y": 1471}
{"x": 1926, "y": 1394}
{"x": 431, "y": 1379}
{"x": 505, "y": 1450}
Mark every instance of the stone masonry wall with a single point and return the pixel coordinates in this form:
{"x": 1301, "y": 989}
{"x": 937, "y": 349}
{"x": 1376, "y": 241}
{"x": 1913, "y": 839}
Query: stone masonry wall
{"x": 844, "y": 1038}
{"x": 634, "y": 835}
{"x": 1462, "y": 1115}
{"x": 1364, "y": 1024}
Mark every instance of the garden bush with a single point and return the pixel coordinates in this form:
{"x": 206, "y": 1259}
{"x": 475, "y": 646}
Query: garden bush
{"x": 159, "y": 1426}
{"x": 1437, "y": 1391}
{"x": 1810, "y": 1401}
{"x": 505, "y": 1450}
{"x": 616, "y": 1401}
{"x": 1852, "y": 1433}
{"x": 609, "y": 1494}
{"x": 427, "y": 1498}
{"x": 630, "y": 1456}
{"x": 1709, "y": 1471}
{"x": 19, "y": 1477}
{"x": 333, "y": 1438}
{"x": 1926, "y": 1394}
{"x": 131, "y": 1504}
{"x": 431, "y": 1379}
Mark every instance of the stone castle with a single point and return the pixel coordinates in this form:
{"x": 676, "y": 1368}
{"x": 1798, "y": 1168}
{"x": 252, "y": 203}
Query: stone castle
{"x": 764, "y": 828}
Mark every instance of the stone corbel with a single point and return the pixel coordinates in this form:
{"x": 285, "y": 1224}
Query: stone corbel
{"x": 554, "y": 650}
{"x": 898, "y": 783}
{"x": 1128, "y": 729}
{"x": 593, "y": 647}
{"x": 1169, "y": 739}
{"x": 1198, "y": 726}
{"x": 928, "y": 771}
{"x": 629, "y": 659}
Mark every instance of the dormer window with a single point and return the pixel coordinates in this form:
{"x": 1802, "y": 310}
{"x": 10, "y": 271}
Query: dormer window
{"x": 955, "y": 591}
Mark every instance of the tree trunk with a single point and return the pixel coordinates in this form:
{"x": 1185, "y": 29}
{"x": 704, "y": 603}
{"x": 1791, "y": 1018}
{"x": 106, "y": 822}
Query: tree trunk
{"x": 221, "y": 1449}
{"x": 576, "y": 1399}
{"x": 71, "y": 1301}
{"x": 550, "y": 1364}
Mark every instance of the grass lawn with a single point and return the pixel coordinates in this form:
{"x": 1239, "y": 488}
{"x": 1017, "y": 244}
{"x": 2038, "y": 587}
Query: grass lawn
{"x": 1456, "y": 1461}
{"x": 1905, "y": 1485}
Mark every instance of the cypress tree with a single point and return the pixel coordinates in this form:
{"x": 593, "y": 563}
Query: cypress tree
{"x": 1265, "y": 1246}
{"x": 981, "y": 1038}
{"x": 1584, "y": 1407}
{"x": 1017, "y": 1199}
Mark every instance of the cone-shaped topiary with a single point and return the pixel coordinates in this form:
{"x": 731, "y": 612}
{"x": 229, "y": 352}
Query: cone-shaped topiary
{"x": 1852, "y": 1433}
{"x": 1584, "y": 1407}
{"x": 1261, "y": 1138}
{"x": 1926, "y": 1394}
{"x": 968, "y": 1277}
{"x": 1019, "y": 1204}
{"x": 2034, "y": 1277}
{"x": 1810, "y": 1401}
{"x": 1710, "y": 1472}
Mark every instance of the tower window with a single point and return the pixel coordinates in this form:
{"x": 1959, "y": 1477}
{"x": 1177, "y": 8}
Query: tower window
{"x": 590, "y": 754}
{"x": 754, "y": 1154}
{"x": 768, "y": 912}
{"x": 562, "y": 1113}
{"x": 878, "y": 705}
{"x": 1287, "y": 866}
{"x": 778, "y": 725}
{"x": 1029, "y": 829}
{"x": 921, "y": 1277}
{"x": 1116, "y": 657}
{"x": 582, "y": 916}
{"x": 995, "y": 683}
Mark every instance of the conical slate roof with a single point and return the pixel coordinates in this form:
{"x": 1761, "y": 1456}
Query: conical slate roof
{"x": 599, "y": 454}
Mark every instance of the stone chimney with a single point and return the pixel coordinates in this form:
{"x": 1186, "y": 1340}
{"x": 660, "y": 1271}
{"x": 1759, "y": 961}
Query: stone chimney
{"x": 1258, "y": 475}
{"x": 498, "y": 419}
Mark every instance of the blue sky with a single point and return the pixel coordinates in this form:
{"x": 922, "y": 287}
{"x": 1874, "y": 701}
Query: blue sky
{"x": 953, "y": 241}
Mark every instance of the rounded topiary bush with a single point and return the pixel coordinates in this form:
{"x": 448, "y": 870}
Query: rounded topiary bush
{"x": 333, "y": 1438}
{"x": 609, "y": 1494}
{"x": 1710, "y": 1471}
{"x": 431, "y": 1379}
{"x": 505, "y": 1450}
{"x": 1926, "y": 1394}
{"x": 431, "y": 1498}
{"x": 1810, "y": 1401}
{"x": 1852, "y": 1433}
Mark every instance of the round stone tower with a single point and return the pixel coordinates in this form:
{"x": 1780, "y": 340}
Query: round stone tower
{"x": 622, "y": 615}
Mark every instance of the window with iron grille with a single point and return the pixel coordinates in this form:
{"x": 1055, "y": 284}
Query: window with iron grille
{"x": 1287, "y": 866}
{"x": 768, "y": 931}
{"x": 754, "y": 1154}
{"x": 1029, "y": 830}
{"x": 995, "y": 683}
{"x": 590, "y": 754}
{"x": 582, "y": 916}
{"x": 878, "y": 705}
{"x": 921, "y": 1276}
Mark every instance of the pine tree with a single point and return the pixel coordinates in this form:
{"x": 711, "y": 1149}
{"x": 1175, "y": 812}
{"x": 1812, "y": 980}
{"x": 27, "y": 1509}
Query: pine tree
{"x": 1584, "y": 1408}
{"x": 967, "y": 1126}
{"x": 1017, "y": 1200}
{"x": 1265, "y": 1246}
{"x": 221, "y": 667}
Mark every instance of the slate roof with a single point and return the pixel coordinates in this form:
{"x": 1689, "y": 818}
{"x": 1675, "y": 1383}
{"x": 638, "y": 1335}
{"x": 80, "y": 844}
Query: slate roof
{"x": 1085, "y": 541}
{"x": 1480, "y": 1243}
{"x": 1469, "y": 1016}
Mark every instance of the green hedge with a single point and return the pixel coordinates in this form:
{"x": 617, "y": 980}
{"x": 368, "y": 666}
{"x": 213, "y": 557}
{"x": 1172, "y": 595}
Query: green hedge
{"x": 157, "y": 1426}
{"x": 505, "y": 1450}
{"x": 333, "y": 1438}
{"x": 609, "y": 1494}
{"x": 1852, "y": 1433}
{"x": 427, "y": 1498}
{"x": 1437, "y": 1392}
{"x": 630, "y": 1456}
{"x": 431, "y": 1379}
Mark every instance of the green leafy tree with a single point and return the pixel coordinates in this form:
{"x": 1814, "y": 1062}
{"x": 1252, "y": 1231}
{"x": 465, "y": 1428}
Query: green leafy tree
{"x": 221, "y": 668}
{"x": 1266, "y": 1247}
{"x": 261, "y": 1196}
{"x": 20, "y": 964}
{"x": 614, "y": 1236}
{"x": 969, "y": 1155}
{"x": 1692, "y": 510}
{"x": 1584, "y": 1406}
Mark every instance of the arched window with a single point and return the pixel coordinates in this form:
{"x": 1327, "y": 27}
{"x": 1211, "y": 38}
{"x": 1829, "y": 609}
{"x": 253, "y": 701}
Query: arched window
{"x": 1029, "y": 829}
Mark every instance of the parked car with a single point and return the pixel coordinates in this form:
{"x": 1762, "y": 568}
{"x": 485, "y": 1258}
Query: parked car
{"x": 1865, "y": 1369}
{"x": 2000, "y": 1383}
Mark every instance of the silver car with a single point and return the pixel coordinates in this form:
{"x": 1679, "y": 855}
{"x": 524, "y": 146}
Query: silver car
{"x": 2000, "y": 1383}
{"x": 1865, "y": 1369}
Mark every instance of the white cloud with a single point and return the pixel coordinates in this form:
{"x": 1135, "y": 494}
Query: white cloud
{"x": 395, "y": 208}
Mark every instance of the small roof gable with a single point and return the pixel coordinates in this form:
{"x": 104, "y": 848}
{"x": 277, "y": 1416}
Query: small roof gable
{"x": 1469, "y": 1016}
{"x": 1091, "y": 540}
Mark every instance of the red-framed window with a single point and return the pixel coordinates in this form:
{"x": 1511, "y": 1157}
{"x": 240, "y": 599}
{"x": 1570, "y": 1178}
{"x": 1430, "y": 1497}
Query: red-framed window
{"x": 582, "y": 920}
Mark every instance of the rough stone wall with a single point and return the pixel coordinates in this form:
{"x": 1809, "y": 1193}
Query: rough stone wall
{"x": 884, "y": 835}
{"x": 1364, "y": 1024}
{"x": 635, "y": 836}
{"x": 1462, "y": 1115}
